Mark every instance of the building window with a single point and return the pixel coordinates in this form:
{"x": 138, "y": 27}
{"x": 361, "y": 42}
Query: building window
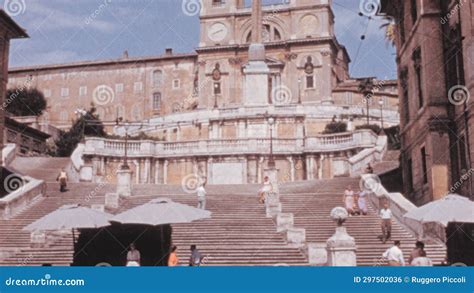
{"x": 82, "y": 91}
{"x": 157, "y": 102}
{"x": 176, "y": 84}
{"x": 47, "y": 93}
{"x": 409, "y": 175}
{"x": 309, "y": 71}
{"x": 47, "y": 77}
{"x": 423, "y": 165}
{"x": 414, "y": 10}
{"x": 418, "y": 78}
{"x": 64, "y": 116}
{"x": 119, "y": 87}
{"x": 217, "y": 88}
{"x": 218, "y": 2}
{"x": 64, "y": 92}
{"x": 138, "y": 87}
{"x": 157, "y": 78}
{"x": 405, "y": 94}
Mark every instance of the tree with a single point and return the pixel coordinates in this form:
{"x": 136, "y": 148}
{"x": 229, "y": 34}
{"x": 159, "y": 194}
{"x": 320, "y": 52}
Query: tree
{"x": 390, "y": 27}
{"x": 25, "y": 102}
{"x": 87, "y": 124}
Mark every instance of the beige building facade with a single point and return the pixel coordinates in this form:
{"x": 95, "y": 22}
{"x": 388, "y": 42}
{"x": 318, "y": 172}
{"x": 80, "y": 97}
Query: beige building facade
{"x": 212, "y": 96}
{"x": 435, "y": 52}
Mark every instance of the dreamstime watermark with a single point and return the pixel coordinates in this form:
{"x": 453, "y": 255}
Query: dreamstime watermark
{"x": 369, "y": 7}
{"x": 465, "y": 177}
{"x": 191, "y": 182}
{"x": 106, "y": 180}
{"x": 453, "y": 11}
{"x": 14, "y": 7}
{"x": 370, "y": 183}
{"x": 100, "y": 9}
{"x": 191, "y": 7}
{"x": 103, "y": 95}
{"x": 44, "y": 281}
{"x": 14, "y": 182}
{"x": 458, "y": 95}
{"x": 281, "y": 95}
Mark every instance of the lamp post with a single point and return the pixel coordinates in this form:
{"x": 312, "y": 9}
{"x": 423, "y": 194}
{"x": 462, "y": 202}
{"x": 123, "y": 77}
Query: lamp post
{"x": 381, "y": 113}
{"x": 299, "y": 90}
{"x": 366, "y": 87}
{"x": 271, "y": 161}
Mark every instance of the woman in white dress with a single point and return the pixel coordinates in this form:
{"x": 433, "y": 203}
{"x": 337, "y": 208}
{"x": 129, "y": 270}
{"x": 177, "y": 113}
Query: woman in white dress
{"x": 348, "y": 200}
{"x": 266, "y": 188}
{"x": 362, "y": 202}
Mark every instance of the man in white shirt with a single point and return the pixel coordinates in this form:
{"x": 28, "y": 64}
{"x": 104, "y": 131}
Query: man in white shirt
{"x": 386, "y": 216}
{"x": 394, "y": 255}
{"x": 201, "y": 194}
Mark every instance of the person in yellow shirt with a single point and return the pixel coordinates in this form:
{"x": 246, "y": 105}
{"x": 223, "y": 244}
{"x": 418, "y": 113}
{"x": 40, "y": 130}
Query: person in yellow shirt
{"x": 173, "y": 259}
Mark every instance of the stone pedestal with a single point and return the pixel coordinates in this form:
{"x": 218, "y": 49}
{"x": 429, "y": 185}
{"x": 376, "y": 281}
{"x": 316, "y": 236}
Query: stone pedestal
{"x": 296, "y": 237}
{"x": 38, "y": 239}
{"x": 124, "y": 182}
{"x": 272, "y": 198}
{"x": 86, "y": 173}
{"x": 284, "y": 221}
{"x": 256, "y": 76}
{"x": 273, "y": 210}
{"x": 112, "y": 201}
{"x": 317, "y": 254}
{"x": 341, "y": 249}
{"x": 272, "y": 174}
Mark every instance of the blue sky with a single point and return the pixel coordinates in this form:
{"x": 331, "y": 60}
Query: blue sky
{"x": 66, "y": 31}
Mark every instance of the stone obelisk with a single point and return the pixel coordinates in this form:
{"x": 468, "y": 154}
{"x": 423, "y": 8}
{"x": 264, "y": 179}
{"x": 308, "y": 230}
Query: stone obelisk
{"x": 256, "y": 71}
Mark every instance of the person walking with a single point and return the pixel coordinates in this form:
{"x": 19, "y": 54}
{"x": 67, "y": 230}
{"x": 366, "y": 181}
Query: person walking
{"x": 369, "y": 169}
{"x": 362, "y": 202}
{"x": 348, "y": 200}
{"x": 266, "y": 188}
{"x": 173, "y": 259}
{"x": 133, "y": 256}
{"x": 422, "y": 261}
{"x": 201, "y": 194}
{"x": 196, "y": 258}
{"x": 394, "y": 255}
{"x": 62, "y": 179}
{"x": 386, "y": 217}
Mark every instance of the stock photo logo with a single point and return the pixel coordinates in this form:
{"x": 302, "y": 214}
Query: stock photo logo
{"x": 14, "y": 7}
{"x": 281, "y": 95}
{"x": 458, "y": 95}
{"x": 190, "y": 183}
{"x": 13, "y": 183}
{"x": 103, "y": 95}
{"x": 191, "y": 7}
{"x": 369, "y": 7}
{"x": 370, "y": 183}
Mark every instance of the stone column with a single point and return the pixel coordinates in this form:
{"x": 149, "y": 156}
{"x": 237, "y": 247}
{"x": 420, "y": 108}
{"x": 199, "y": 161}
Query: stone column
{"x": 165, "y": 172}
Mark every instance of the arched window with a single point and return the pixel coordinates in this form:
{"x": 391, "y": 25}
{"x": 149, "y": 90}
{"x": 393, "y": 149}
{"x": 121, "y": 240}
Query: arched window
{"x": 157, "y": 78}
{"x": 269, "y": 34}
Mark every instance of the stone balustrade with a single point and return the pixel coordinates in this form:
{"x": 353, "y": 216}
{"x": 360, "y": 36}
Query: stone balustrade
{"x": 315, "y": 144}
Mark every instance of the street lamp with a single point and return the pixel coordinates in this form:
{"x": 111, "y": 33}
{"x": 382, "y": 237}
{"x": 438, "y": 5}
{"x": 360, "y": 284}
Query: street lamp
{"x": 271, "y": 161}
{"x": 381, "y": 113}
{"x": 366, "y": 87}
{"x": 299, "y": 90}
{"x": 126, "y": 126}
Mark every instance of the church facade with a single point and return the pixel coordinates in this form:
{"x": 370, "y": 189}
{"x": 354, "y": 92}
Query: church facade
{"x": 225, "y": 107}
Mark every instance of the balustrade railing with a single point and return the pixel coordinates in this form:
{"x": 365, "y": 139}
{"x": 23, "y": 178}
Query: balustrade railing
{"x": 321, "y": 143}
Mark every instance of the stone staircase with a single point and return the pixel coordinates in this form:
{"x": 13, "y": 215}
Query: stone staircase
{"x": 44, "y": 168}
{"x": 389, "y": 162}
{"x": 311, "y": 203}
{"x": 238, "y": 233}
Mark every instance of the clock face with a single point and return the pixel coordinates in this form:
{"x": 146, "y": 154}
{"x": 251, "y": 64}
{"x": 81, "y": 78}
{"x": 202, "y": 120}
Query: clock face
{"x": 217, "y": 32}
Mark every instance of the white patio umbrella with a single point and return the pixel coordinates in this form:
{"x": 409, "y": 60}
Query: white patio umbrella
{"x": 71, "y": 217}
{"x": 161, "y": 211}
{"x": 449, "y": 209}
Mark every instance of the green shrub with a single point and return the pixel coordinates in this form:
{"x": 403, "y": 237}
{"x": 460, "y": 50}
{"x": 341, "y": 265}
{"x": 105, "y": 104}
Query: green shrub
{"x": 374, "y": 127}
{"x": 335, "y": 127}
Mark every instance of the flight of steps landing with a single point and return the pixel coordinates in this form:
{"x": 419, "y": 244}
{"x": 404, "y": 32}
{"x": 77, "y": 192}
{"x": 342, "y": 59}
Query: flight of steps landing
{"x": 43, "y": 168}
{"x": 311, "y": 203}
{"x": 238, "y": 233}
{"x": 389, "y": 162}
